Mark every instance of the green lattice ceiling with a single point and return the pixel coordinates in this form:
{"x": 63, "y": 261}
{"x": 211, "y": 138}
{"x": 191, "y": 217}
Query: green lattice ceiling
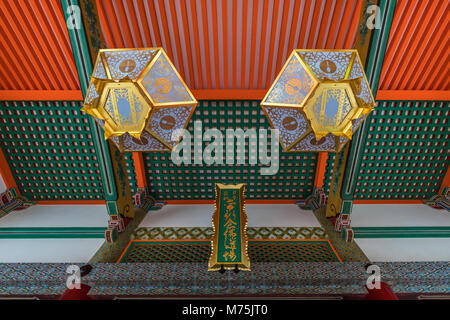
{"x": 49, "y": 149}
{"x": 131, "y": 171}
{"x": 406, "y": 154}
{"x": 328, "y": 172}
{"x": 294, "y": 179}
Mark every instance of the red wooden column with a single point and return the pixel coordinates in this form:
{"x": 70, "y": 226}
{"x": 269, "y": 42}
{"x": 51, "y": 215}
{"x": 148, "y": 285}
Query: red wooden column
{"x": 320, "y": 169}
{"x": 6, "y": 174}
{"x": 140, "y": 169}
{"x": 446, "y": 181}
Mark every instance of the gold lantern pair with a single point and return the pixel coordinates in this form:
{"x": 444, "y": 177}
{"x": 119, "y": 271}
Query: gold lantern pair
{"x": 316, "y": 103}
{"x": 139, "y": 99}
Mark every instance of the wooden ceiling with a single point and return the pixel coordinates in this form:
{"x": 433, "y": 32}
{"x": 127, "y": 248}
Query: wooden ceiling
{"x": 222, "y": 44}
{"x": 229, "y": 44}
{"x": 417, "y": 56}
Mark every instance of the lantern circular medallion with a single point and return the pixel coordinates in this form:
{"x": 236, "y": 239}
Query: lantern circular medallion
{"x": 293, "y": 86}
{"x": 316, "y": 142}
{"x": 167, "y": 122}
{"x": 290, "y": 123}
{"x": 127, "y": 66}
{"x": 328, "y": 66}
{"x": 163, "y": 85}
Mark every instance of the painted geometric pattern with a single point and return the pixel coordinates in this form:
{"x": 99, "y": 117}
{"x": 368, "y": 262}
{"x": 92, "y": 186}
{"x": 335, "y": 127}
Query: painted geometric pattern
{"x": 167, "y": 181}
{"x": 110, "y": 252}
{"x": 128, "y": 63}
{"x": 291, "y": 123}
{"x": 163, "y": 84}
{"x": 346, "y": 251}
{"x": 331, "y": 65}
{"x": 287, "y": 278}
{"x": 309, "y": 143}
{"x": 293, "y": 85}
{"x": 406, "y": 152}
{"x": 166, "y": 120}
{"x": 166, "y": 251}
{"x": 48, "y": 146}
{"x": 161, "y": 233}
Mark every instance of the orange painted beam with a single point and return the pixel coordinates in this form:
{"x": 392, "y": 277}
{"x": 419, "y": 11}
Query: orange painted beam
{"x": 215, "y": 94}
{"x": 6, "y": 173}
{"x": 140, "y": 169}
{"x": 70, "y": 202}
{"x": 446, "y": 181}
{"x": 440, "y": 95}
{"x": 41, "y": 95}
{"x": 238, "y": 94}
{"x": 320, "y": 169}
{"x": 387, "y": 201}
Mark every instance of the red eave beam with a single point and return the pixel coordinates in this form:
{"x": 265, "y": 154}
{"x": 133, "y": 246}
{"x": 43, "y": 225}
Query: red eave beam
{"x": 6, "y": 174}
{"x": 320, "y": 169}
{"x": 225, "y": 94}
{"x": 446, "y": 181}
{"x": 41, "y": 95}
{"x": 416, "y": 95}
{"x": 247, "y": 201}
{"x": 140, "y": 169}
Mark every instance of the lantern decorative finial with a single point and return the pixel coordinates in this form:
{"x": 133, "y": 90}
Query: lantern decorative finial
{"x": 139, "y": 99}
{"x": 318, "y": 100}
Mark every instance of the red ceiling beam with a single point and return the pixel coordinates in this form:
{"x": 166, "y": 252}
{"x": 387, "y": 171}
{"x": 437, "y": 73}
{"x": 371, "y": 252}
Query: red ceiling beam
{"x": 6, "y": 174}
{"x": 420, "y": 95}
{"x": 41, "y": 95}
{"x": 213, "y": 94}
{"x": 320, "y": 169}
{"x": 446, "y": 181}
{"x": 140, "y": 169}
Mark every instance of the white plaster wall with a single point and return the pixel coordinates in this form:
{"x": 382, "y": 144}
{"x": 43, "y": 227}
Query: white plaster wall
{"x": 58, "y": 216}
{"x": 398, "y": 215}
{"x": 53, "y": 250}
{"x": 259, "y": 215}
{"x": 402, "y": 215}
{"x": 48, "y": 250}
{"x": 406, "y": 249}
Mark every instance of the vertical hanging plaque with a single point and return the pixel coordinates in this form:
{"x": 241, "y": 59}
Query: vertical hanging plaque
{"x": 229, "y": 243}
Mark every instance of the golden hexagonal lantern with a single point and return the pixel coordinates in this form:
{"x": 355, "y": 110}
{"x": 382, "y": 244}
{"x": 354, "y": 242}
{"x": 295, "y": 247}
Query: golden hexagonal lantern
{"x": 139, "y": 99}
{"x": 318, "y": 100}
